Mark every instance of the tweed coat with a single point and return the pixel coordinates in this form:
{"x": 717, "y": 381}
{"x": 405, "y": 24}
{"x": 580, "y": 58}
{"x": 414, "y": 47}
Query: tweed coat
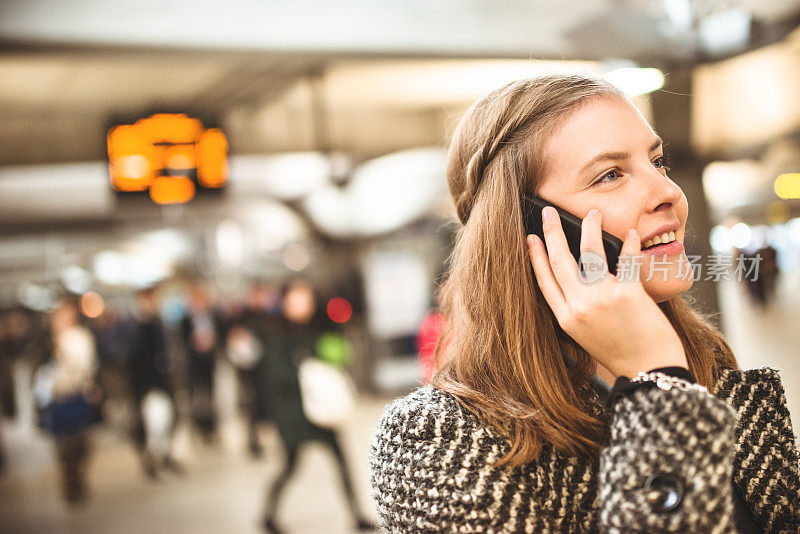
{"x": 430, "y": 466}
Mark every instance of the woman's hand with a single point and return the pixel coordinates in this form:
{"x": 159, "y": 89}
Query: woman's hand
{"x": 613, "y": 319}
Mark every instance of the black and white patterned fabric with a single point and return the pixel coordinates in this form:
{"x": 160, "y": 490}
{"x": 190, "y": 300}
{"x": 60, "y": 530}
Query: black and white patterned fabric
{"x": 674, "y": 461}
{"x": 766, "y": 457}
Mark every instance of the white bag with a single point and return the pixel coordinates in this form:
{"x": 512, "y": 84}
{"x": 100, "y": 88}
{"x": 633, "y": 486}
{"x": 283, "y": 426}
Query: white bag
{"x": 329, "y": 395}
{"x": 244, "y": 350}
{"x": 158, "y": 419}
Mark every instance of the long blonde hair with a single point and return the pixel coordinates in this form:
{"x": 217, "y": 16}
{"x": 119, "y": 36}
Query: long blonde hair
{"x": 505, "y": 352}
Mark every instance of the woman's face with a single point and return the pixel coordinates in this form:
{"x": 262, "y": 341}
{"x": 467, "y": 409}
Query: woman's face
{"x": 606, "y": 156}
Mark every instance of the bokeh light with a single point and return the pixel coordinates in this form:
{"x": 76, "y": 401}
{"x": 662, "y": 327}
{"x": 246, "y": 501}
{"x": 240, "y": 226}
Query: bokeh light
{"x": 92, "y": 305}
{"x": 339, "y": 310}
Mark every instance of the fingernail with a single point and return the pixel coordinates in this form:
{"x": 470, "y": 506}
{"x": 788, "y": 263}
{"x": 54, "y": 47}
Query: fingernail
{"x": 546, "y": 213}
{"x": 631, "y": 233}
{"x": 530, "y": 240}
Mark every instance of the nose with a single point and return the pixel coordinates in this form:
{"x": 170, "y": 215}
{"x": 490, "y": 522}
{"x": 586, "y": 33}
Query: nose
{"x": 662, "y": 193}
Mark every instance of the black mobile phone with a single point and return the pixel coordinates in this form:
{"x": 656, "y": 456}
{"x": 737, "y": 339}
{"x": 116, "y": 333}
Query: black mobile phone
{"x": 532, "y": 219}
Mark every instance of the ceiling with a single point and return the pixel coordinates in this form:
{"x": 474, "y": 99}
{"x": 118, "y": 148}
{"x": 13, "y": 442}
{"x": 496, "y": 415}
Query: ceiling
{"x": 360, "y": 77}
{"x": 351, "y": 75}
{"x": 56, "y": 106}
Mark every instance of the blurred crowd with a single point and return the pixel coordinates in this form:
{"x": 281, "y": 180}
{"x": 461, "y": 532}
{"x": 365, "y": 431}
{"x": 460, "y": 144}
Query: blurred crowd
{"x": 159, "y": 360}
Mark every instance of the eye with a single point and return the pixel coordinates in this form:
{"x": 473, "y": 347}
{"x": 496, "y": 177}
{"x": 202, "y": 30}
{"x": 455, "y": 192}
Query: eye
{"x": 611, "y": 176}
{"x": 661, "y": 163}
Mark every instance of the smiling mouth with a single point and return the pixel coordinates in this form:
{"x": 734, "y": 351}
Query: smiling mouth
{"x": 663, "y": 239}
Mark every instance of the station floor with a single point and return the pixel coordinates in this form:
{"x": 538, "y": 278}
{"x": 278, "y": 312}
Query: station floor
{"x": 767, "y": 336}
{"x": 221, "y": 491}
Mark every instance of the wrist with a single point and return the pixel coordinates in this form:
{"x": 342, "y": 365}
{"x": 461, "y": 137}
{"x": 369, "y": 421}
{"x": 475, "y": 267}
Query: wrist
{"x": 673, "y": 359}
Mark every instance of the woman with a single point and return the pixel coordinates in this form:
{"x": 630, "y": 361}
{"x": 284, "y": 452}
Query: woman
{"x": 515, "y": 432}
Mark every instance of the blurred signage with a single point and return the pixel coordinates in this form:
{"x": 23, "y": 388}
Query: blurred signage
{"x": 168, "y": 155}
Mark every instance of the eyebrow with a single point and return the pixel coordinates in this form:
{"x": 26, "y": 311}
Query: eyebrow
{"x": 618, "y": 155}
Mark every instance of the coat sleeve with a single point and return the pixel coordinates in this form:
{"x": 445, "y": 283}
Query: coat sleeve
{"x": 668, "y": 465}
{"x": 766, "y": 450}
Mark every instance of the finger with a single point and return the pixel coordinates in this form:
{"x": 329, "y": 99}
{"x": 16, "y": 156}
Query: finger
{"x": 630, "y": 258}
{"x": 593, "y": 260}
{"x": 563, "y": 264}
{"x": 544, "y": 276}
{"x": 592, "y": 234}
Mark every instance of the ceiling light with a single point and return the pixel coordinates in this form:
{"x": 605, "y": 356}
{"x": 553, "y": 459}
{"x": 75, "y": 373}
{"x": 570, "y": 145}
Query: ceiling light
{"x": 635, "y": 81}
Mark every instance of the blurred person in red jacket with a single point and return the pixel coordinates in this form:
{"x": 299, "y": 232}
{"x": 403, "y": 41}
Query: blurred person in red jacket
{"x": 428, "y": 336}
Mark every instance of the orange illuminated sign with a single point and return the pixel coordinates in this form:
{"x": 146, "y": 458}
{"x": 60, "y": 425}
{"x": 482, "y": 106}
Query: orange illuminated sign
{"x": 169, "y": 155}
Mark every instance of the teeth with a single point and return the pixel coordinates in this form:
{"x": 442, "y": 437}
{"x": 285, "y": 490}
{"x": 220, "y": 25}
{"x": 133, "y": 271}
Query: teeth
{"x": 659, "y": 240}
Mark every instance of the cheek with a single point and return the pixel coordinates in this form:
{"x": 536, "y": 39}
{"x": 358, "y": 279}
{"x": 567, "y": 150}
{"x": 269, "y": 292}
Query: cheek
{"x": 682, "y": 209}
{"x": 617, "y": 221}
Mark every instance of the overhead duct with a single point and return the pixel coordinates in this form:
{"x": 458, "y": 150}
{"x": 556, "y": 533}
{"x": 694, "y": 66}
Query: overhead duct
{"x": 64, "y": 191}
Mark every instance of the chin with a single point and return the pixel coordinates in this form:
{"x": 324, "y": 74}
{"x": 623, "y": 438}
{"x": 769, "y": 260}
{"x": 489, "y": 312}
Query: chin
{"x": 662, "y": 290}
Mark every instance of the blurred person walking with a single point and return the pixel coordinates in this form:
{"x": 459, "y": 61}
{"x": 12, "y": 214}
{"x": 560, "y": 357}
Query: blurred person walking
{"x": 248, "y": 337}
{"x": 7, "y": 399}
{"x": 68, "y": 397}
{"x": 3, "y": 460}
{"x": 113, "y": 334}
{"x": 764, "y": 273}
{"x": 200, "y": 331}
{"x": 14, "y": 339}
{"x": 300, "y": 328}
{"x": 151, "y": 386}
